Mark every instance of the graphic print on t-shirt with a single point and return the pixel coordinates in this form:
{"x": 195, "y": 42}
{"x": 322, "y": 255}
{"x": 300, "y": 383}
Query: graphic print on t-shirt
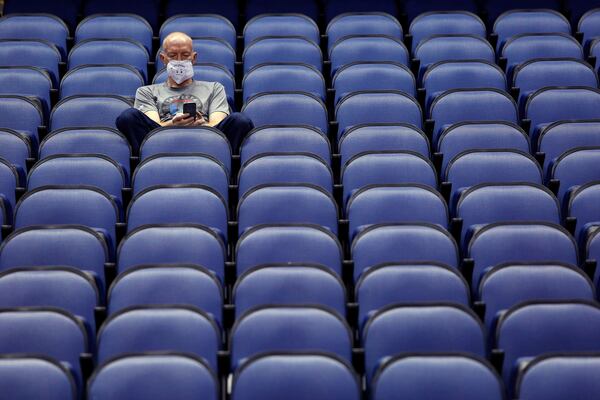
{"x": 174, "y": 104}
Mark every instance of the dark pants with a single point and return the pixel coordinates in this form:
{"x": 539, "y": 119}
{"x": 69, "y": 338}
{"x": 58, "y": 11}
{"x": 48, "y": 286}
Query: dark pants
{"x": 135, "y": 125}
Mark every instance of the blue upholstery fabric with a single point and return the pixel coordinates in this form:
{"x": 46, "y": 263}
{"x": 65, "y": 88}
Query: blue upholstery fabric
{"x": 574, "y": 168}
{"x": 111, "y": 26}
{"x": 274, "y": 49}
{"x": 87, "y": 111}
{"x": 36, "y": 27}
{"x": 527, "y": 21}
{"x": 27, "y": 81}
{"x": 283, "y": 77}
{"x": 270, "y": 24}
{"x": 200, "y": 25}
{"x": 362, "y": 23}
{"x": 120, "y": 80}
{"x": 434, "y": 23}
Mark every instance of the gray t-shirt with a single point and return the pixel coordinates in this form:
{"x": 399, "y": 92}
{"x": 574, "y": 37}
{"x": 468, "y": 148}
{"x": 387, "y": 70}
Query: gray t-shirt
{"x": 209, "y": 97}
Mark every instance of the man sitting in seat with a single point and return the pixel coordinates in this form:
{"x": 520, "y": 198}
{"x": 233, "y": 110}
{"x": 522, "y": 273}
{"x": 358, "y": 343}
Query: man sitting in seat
{"x": 162, "y": 104}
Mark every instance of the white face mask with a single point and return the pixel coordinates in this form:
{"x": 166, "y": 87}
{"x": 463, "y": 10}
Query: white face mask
{"x": 180, "y": 71}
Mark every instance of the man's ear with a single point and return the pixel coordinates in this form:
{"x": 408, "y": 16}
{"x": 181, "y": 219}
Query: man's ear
{"x": 163, "y": 58}
{"x": 194, "y": 57}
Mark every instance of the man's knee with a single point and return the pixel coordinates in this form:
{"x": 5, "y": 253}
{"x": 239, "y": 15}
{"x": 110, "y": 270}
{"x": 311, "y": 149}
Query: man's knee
{"x": 127, "y": 117}
{"x": 241, "y": 121}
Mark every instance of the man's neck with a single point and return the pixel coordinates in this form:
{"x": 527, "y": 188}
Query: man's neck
{"x": 173, "y": 84}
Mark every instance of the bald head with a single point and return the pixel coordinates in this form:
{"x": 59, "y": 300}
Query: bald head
{"x": 176, "y": 39}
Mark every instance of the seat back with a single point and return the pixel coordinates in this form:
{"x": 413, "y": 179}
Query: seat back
{"x": 435, "y": 23}
{"x": 575, "y": 168}
{"x": 362, "y": 23}
{"x": 200, "y": 25}
{"x": 88, "y": 111}
{"x": 27, "y": 81}
{"x": 23, "y": 115}
{"x": 527, "y": 21}
{"x": 583, "y": 205}
{"x": 115, "y": 26}
{"x": 33, "y": 53}
{"x": 119, "y": 80}
{"x": 283, "y": 77}
{"x": 281, "y": 25}
{"x": 294, "y": 49}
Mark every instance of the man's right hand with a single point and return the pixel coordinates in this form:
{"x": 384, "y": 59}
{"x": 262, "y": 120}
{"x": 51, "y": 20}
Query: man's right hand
{"x": 183, "y": 120}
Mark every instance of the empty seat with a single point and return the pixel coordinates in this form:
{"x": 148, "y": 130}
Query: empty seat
{"x": 435, "y": 23}
{"x": 402, "y": 243}
{"x": 23, "y": 115}
{"x": 448, "y": 75}
{"x": 226, "y": 8}
{"x": 87, "y": 111}
{"x": 519, "y": 242}
{"x": 15, "y": 149}
{"x": 274, "y": 49}
{"x": 120, "y": 80}
{"x": 33, "y": 53}
{"x": 110, "y": 51}
{"x": 173, "y": 204}
{"x": 115, "y": 26}
{"x": 270, "y": 24}
{"x": 283, "y": 77}
{"x": 420, "y": 328}
{"x": 394, "y": 283}
{"x": 594, "y": 50}
{"x": 180, "y": 140}
{"x": 200, "y": 25}
{"x": 289, "y": 328}
{"x": 377, "y": 204}
{"x": 174, "y": 329}
{"x": 367, "y": 48}
{"x": 584, "y": 205}
{"x": 413, "y": 8}
{"x": 181, "y": 168}
{"x": 381, "y": 137}
{"x": 143, "y": 376}
{"x": 383, "y": 76}
{"x": 27, "y": 81}
{"x": 506, "y": 285}
{"x": 437, "y": 377}
{"x": 29, "y": 377}
{"x": 291, "y": 243}
{"x": 289, "y": 284}
{"x": 461, "y": 105}
{"x": 588, "y": 27}
{"x": 527, "y": 21}
{"x": 296, "y": 376}
{"x": 554, "y": 377}
{"x": 209, "y": 50}
{"x": 362, "y": 23}
{"x": 575, "y": 168}
{"x": 309, "y": 8}
{"x": 291, "y": 139}
{"x": 167, "y": 284}
{"x": 505, "y": 202}
{"x": 146, "y": 9}
{"x": 372, "y": 107}
{"x": 67, "y": 10}
{"x": 334, "y": 8}
{"x": 464, "y": 136}
{"x": 287, "y": 108}
{"x": 9, "y": 181}
{"x": 172, "y": 244}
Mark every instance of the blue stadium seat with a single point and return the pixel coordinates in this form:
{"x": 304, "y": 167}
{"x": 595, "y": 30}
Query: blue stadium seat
{"x": 402, "y": 243}
{"x": 146, "y": 9}
{"x": 362, "y": 23}
{"x": 395, "y": 283}
{"x": 367, "y": 48}
{"x": 177, "y": 244}
{"x": 588, "y": 27}
{"x": 266, "y": 25}
{"x": 555, "y": 377}
{"x": 378, "y": 204}
{"x": 143, "y": 376}
{"x": 174, "y": 328}
{"x": 309, "y": 8}
{"x": 509, "y": 284}
{"x": 594, "y": 51}
{"x": 25, "y": 377}
{"x": 180, "y": 140}
{"x": 23, "y": 115}
{"x": 461, "y": 105}
{"x": 167, "y": 284}
{"x": 575, "y": 168}
{"x": 275, "y": 49}
{"x": 435, "y": 23}
{"x": 525, "y": 47}
{"x": 592, "y": 247}
{"x": 32, "y": 53}
{"x": 461, "y": 74}
{"x": 287, "y": 108}
{"x": 296, "y": 376}
{"x": 284, "y": 168}
{"x": 465, "y": 136}
{"x": 372, "y": 107}
{"x": 495, "y": 8}
{"x": 120, "y": 80}
{"x": 504, "y": 242}
{"x": 452, "y": 47}
{"x": 528, "y": 21}
{"x": 420, "y": 328}
{"x": 289, "y": 328}
{"x": 71, "y": 246}
{"x": 383, "y": 75}
{"x": 289, "y": 284}
{"x": 413, "y": 8}
{"x": 295, "y": 243}
{"x": 389, "y": 167}
{"x": 334, "y": 8}
{"x": 27, "y": 81}
{"x": 15, "y": 149}
{"x": 37, "y": 27}
{"x": 9, "y": 181}
{"x": 287, "y": 203}
{"x": 115, "y": 26}
{"x": 282, "y": 77}
{"x": 210, "y": 50}
{"x": 105, "y": 141}
{"x": 437, "y": 377}
{"x": 536, "y": 328}
{"x": 181, "y": 168}
{"x": 381, "y": 137}
{"x": 174, "y": 204}
{"x": 200, "y": 25}
{"x": 504, "y": 202}
{"x": 47, "y": 332}
{"x": 584, "y": 205}
{"x": 225, "y": 8}
{"x": 67, "y": 10}
{"x": 88, "y": 111}
{"x": 291, "y": 139}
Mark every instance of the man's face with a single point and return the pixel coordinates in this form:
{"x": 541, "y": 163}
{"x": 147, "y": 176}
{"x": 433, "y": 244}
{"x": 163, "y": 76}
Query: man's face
{"x": 178, "y": 51}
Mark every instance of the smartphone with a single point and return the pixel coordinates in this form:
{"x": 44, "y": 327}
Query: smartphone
{"x": 190, "y": 109}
